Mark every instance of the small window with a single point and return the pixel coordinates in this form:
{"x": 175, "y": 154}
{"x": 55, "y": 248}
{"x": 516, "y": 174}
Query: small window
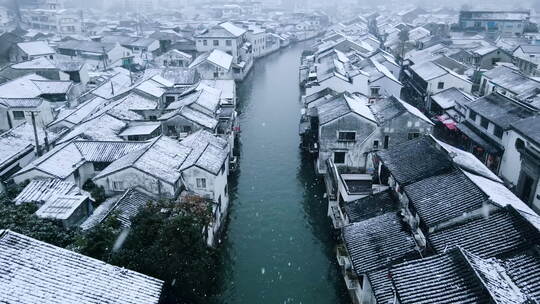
{"x": 228, "y": 42}
{"x": 347, "y": 136}
{"x": 472, "y": 115}
{"x": 171, "y": 130}
{"x": 152, "y": 117}
{"x": 375, "y": 91}
{"x": 484, "y": 122}
{"x": 187, "y": 129}
{"x": 99, "y": 166}
{"x": 440, "y": 85}
{"x": 498, "y": 131}
{"x": 169, "y": 99}
{"x": 386, "y": 141}
{"x": 118, "y": 186}
{"x": 375, "y": 144}
{"x": 216, "y": 42}
{"x": 201, "y": 183}
{"x": 18, "y": 115}
{"x": 520, "y": 144}
{"x": 205, "y": 42}
{"x": 413, "y": 135}
{"x": 339, "y": 157}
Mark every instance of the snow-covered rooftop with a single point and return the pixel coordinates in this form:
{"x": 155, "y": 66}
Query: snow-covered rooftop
{"x": 61, "y": 207}
{"x": 36, "y": 272}
{"x": 41, "y": 190}
{"x": 36, "y": 48}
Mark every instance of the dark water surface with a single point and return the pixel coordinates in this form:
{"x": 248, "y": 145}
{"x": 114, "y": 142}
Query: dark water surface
{"x": 278, "y": 246}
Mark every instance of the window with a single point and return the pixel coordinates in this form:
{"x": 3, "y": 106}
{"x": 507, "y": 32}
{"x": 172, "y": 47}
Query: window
{"x": 216, "y": 42}
{"x": 375, "y": 91}
{"x": 472, "y": 115}
{"x": 347, "y": 136}
{"x": 100, "y": 166}
{"x": 375, "y": 144}
{"x": 201, "y": 183}
{"x": 413, "y": 135}
{"x": 169, "y": 99}
{"x": 118, "y": 186}
{"x": 339, "y": 157}
{"x": 152, "y": 117}
{"x": 498, "y": 131}
{"x": 205, "y": 42}
{"x": 18, "y": 115}
{"x": 484, "y": 122}
{"x": 171, "y": 130}
{"x": 228, "y": 42}
{"x": 440, "y": 85}
{"x": 187, "y": 129}
{"x": 386, "y": 141}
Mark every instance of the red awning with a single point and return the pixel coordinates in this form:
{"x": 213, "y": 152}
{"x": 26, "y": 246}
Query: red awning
{"x": 447, "y": 122}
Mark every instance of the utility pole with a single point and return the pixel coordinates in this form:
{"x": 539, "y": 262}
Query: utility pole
{"x": 38, "y": 150}
{"x": 82, "y": 21}
{"x": 104, "y": 58}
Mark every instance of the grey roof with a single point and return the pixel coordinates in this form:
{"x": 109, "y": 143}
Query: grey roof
{"x": 371, "y": 206}
{"x": 529, "y": 127}
{"x": 455, "y": 277}
{"x": 499, "y": 109}
{"x": 524, "y": 270}
{"x": 381, "y": 284}
{"x": 86, "y": 46}
{"x": 124, "y": 206}
{"x": 36, "y": 272}
{"x": 436, "y": 204}
{"x": 21, "y": 102}
{"x": 502, "y": 232}
{"x": 378, "y": 242}
{"x": 511, "y": 79}
{"x": 414, "y": 160}
{"x": 392, "y": 107}
{"x": 530, "y": 48}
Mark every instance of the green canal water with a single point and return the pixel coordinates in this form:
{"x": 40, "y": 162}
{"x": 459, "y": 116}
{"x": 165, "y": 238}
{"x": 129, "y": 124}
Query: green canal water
{"x": 278, "y": 246}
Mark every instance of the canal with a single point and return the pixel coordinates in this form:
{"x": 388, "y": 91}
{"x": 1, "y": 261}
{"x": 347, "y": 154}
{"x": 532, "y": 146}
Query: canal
{"x": 278, "y": 246}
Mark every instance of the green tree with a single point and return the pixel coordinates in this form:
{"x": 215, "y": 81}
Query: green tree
{"x": 21, "y": 219}
{"x": 167, "y": 241}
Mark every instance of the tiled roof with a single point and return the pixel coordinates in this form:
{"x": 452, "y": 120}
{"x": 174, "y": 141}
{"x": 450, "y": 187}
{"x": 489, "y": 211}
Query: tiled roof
{"x": 499, "y": 233}
{"x": 524, "y": 270}
{"x": 446, "y": 278}
{"x": 443, "y": 197}
{"x": 371, "y": 206}
{"x": 414, "y": 160}
{"x": 40, "y": 190}
{"x": 61, "y": 207}
{"x": 129, "y": 205}
{"x": 124, "y": 206}
{"x": 381, "y": 284}
{"x": 378, "y": 242}
{"x": 35, "y": 272}
{"x": 499, "y": 109}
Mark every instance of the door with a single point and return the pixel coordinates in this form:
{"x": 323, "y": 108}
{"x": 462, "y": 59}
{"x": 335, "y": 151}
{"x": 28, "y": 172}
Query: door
{"x": 526, "y": 187}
